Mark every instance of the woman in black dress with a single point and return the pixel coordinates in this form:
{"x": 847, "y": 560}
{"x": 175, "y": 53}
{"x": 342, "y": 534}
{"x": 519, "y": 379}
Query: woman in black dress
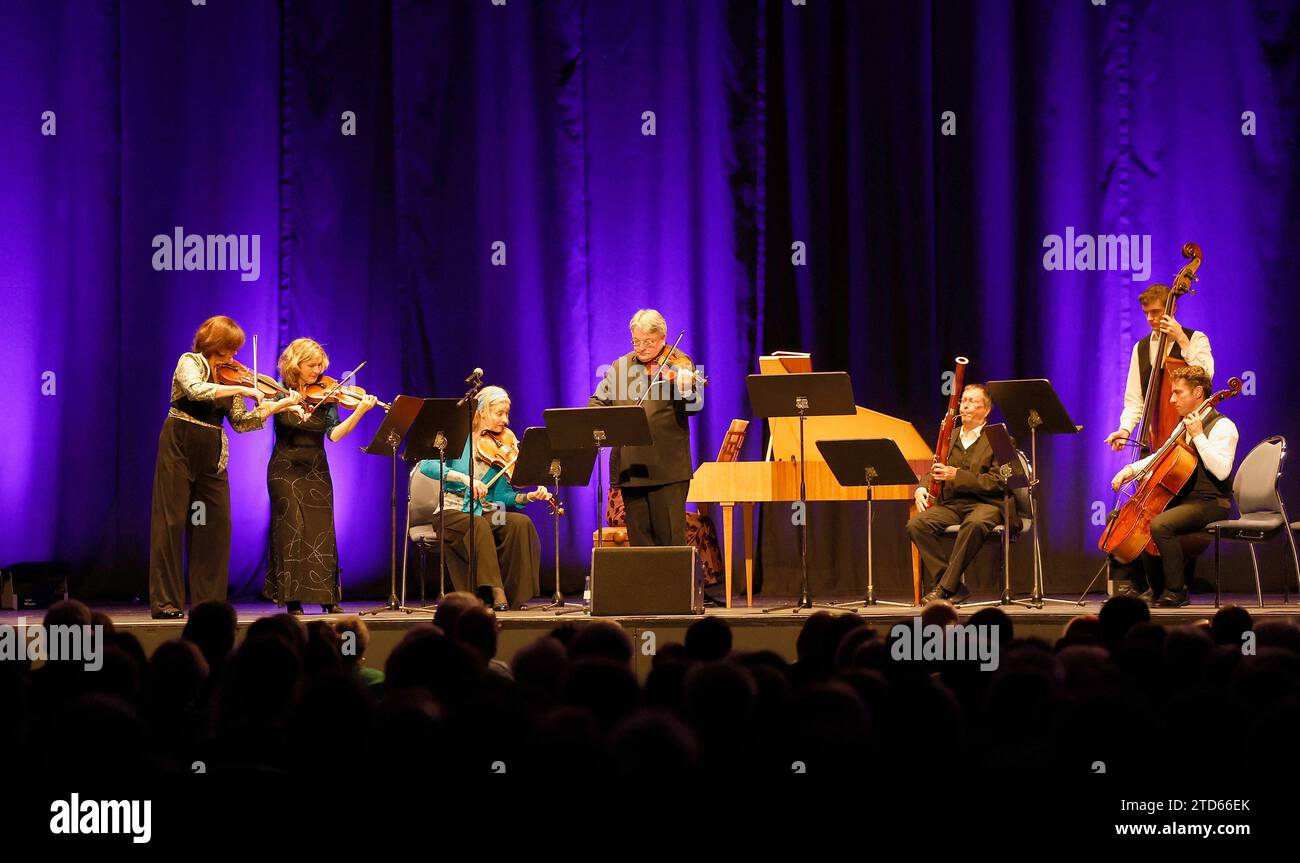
{"x": 304, "y": 559}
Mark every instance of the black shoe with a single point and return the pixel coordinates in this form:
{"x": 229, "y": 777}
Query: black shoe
{"x": 168, "y": 615}
{"x": 1148, "y": 596}
{"x": 1131, "y": 589}
{"x": 501, "y": 606}
{"x": 1173, "y": 598}
{"x": 332, "y": 608}
{"x": 294, "y": 608}
{"x": 957, "y": 597}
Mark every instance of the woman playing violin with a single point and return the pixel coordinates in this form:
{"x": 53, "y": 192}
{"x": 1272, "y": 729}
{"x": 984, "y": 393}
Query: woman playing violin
{"x": 191, "y": 493}
{"x": 304, "y": 561}
{"x": 506, "y": 546}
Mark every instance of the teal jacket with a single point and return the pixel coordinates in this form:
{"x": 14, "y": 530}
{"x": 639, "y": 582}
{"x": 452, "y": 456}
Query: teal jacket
{"x": 501, "y": 491}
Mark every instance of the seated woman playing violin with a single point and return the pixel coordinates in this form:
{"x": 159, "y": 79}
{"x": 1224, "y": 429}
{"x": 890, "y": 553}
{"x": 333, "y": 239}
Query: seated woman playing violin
{"x": 304, "y": 561}
{"x": 191, "y": 493}
{"x": 507, "y": 549}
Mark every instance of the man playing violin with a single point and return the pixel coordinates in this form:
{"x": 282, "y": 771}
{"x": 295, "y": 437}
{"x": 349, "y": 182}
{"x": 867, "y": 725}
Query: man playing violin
{"x": 1207, "y": 495}
{"x": 507, "y": 549}
{"x": 191, "y": 470}
{"x": 654, "y": 479}
{"x": 971, "y": 497}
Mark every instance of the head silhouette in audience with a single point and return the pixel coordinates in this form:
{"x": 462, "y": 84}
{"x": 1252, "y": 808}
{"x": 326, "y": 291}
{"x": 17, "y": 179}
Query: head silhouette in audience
{"x": 211, "y": 627}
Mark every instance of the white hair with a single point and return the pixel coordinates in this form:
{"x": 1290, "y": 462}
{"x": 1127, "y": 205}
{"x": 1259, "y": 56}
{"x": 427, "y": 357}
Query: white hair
{"x": 649, "y": 320}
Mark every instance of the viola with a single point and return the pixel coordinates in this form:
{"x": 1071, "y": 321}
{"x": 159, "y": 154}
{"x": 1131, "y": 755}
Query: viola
{"x": 501, "y": 450}
{"x": 1128, "y": 530}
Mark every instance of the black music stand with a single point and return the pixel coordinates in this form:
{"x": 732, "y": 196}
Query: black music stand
{"x": 872, "y": 462}
{"x": 802, "y": 396}
{"x": 1012, "y": 474}
{"x": 595, "y": 428}
{"x": 389, "y": 435}
{"x": 442, "y": 427}
{"x": 1033, "y": 404}
{"x": 539, "y": 463}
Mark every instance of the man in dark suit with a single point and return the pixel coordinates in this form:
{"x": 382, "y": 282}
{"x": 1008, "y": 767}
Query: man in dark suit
{"x": 971, "y": 497}
{"x": 653, "y": 479}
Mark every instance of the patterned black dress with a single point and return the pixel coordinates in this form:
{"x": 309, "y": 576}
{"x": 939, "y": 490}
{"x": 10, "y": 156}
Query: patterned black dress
{"x": 304, "y": 560}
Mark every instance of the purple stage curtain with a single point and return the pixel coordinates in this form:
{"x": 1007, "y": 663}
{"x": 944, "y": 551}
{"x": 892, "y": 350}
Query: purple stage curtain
{"x": 500, "y": 205}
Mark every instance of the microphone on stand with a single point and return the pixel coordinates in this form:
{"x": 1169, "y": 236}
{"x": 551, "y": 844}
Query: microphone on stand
{"x": 475, "y": 380}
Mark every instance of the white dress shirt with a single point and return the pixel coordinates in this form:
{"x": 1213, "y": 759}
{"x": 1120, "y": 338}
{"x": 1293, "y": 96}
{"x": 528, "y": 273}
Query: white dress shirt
{"x": 968, "y": 438}
{"x": 1218, "y": 449}
{"x": 1197, "y": 354}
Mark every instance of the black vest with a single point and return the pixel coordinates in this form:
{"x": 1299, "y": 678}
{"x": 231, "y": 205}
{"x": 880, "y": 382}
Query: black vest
{"x": 210, "y": 412}
{"x": 1204, "y": 485}
{"x": 1144, "y": 357}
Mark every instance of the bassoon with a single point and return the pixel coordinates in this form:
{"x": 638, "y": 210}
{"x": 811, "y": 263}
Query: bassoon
{"x": 948, "y": 423}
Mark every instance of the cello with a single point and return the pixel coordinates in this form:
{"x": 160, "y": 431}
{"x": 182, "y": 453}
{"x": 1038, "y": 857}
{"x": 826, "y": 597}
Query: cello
{"x": 1128, "y": 530}
{"x": 1158, "y": 415}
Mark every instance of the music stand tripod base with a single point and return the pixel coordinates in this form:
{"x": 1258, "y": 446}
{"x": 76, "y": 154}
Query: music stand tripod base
{"x": 802, "y": 395}
{"x": 592, "y": 429}
{"x": 871, "y": 462}
{"x": 541, "y": 464}
{"x": 1034, "y": 404}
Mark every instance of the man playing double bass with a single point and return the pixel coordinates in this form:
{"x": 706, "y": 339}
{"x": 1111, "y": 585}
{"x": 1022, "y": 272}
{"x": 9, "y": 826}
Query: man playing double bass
{"x": 1207, "y": 495}
{"x": 1191, "y": 346}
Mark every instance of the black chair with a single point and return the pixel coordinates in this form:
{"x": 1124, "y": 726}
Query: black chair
{"x": 1262, "y": 515}
{"x": 422, "y": 523}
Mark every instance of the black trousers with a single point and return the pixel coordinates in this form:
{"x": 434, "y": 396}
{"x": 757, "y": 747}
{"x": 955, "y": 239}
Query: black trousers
{"x": 1190, "y": 516}
{"x": 507, "y": 554}
{"x": 186, "y": 473}
{"x": 656, "y": 514}
{"x": 977, "y": 520}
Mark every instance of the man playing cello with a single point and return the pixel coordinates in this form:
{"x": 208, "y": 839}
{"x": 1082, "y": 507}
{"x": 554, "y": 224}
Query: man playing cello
{"x": 1207, "y": 495}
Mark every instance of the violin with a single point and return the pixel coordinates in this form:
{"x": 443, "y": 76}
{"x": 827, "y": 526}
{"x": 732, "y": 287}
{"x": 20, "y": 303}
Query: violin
{"x": 327, "y": 390}
{"x": 668, "y": 366}
{"x": 666, "y": 369}
{"x": 235, "y": 374}
{"x": 501, "y": 450}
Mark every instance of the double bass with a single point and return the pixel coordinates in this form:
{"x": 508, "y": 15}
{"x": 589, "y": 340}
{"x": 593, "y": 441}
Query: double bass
{"x": 1158, "y": 415}
{"x": 1128, "y": 530}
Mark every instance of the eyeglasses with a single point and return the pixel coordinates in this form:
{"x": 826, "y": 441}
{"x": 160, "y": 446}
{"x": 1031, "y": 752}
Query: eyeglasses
{"x": 645, "y": 343}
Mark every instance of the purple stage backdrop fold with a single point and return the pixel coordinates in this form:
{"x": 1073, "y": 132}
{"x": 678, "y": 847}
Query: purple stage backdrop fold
{"x": 439, "y": 186}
